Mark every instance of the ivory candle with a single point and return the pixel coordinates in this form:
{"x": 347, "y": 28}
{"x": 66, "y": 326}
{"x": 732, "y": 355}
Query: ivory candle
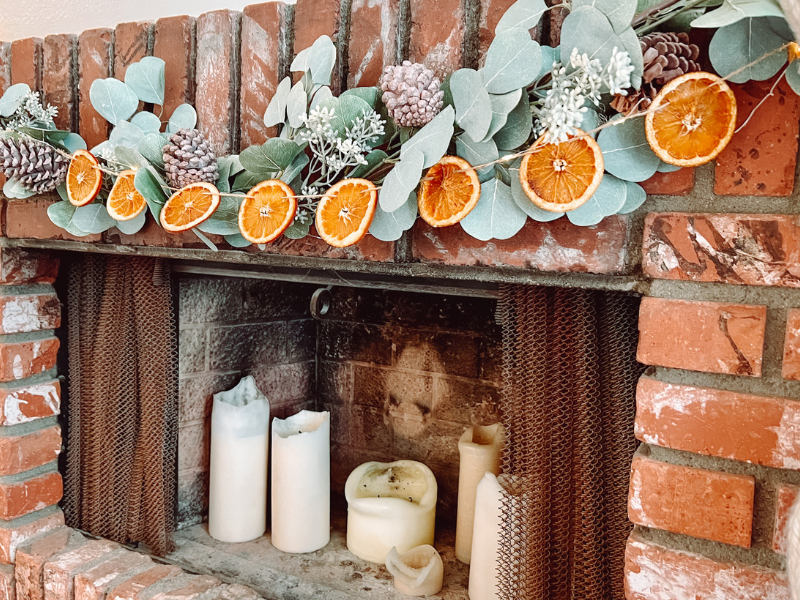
{"x": 237, "y": 503}
{"x": 418, "y": 572}
{"x": 301, "y": 482}
{"x": 388, "y": 505}
{"x": 483, "y": 580}
{"x": 480, "y": 450}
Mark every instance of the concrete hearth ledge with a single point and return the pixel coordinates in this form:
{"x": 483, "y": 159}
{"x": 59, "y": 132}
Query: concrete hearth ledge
{"x": 331, "y": 573}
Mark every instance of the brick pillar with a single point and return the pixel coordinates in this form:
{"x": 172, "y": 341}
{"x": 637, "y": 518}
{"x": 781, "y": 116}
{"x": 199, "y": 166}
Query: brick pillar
{"x": 30, "y": 438}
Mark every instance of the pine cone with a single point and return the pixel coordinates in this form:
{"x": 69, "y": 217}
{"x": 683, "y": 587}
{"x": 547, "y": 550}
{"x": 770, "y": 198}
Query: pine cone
{"x": 666, "y": 56}
{"x": 188, "y": 159}
{"x": 37, "y": 166}
{"x": 411, "y": 93}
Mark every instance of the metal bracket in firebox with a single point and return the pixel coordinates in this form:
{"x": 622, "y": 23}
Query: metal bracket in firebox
{"x": 321, "y": 302}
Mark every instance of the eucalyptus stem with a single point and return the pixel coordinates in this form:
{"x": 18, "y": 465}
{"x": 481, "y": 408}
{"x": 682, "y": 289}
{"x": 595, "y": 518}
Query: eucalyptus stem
{"x": 648, "y": 27}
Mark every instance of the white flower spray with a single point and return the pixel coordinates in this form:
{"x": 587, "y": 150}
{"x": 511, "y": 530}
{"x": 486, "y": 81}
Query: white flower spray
{"x": 574, "y": 87}
{"x": 31, "y": 113}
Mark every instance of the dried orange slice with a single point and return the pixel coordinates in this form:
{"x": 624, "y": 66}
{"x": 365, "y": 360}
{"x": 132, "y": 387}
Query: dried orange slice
{"x": 267, "y": 211}
{"x": 562, "y": 177}
{"x": 448, "y": 192}
{"x": 346, "y": 211}
{"x": 124, "y": 202}
{"x": 189, "y": 206}
{"x": 84, "y": 178}
{"x": 693, "y": 118}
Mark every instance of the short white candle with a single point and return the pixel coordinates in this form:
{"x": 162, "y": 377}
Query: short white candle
{"x": 418, "y": 572}
{"x": 483, "y": 577}
{"x": 389, "y": 505}
{"x": 480, "y": 450}
{"x": 237, "y": 503}
{"x": 301, "y": 482}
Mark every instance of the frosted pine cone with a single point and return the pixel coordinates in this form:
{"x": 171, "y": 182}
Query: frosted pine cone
{"x": 37, "y": 166}
{"x": 188, "y": 159}
{"x": 411, "y": 93}
{"x": 666, "y": 56}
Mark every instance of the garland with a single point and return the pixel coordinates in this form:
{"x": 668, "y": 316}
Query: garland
{"x": 611, "y": 65}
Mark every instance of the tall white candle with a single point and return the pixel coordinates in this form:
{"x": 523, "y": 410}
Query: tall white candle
{"x": 301, "y": 482}
{"x": 237, "y": 503}
{"x": 389, "y": 504}
{"x": 418, "y": 572}
{"x": 480, "y": 450}
{"x": 483, "y": 577}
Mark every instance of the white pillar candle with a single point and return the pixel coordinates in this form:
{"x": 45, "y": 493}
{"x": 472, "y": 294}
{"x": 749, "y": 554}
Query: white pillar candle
{"x": 480, "y": 450}
{"x": 301, "y": 482}
{"x": 237, "y": 503}
{"x": 418, "y": 572}
{"x": 389, "y": 504}
{"x": 483, "y": 577}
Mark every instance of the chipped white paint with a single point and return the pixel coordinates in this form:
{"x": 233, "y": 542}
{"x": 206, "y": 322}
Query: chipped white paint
{"x": 674, "y": 578}
{"x": 787, "y": 450}
{"x": 17, "y": 367}
{"x": 37, "y": 348}
{"x": 21, "y": 314}
{"x": 12, "y": 409}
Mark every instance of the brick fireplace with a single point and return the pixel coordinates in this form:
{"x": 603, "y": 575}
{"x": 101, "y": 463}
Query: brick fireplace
{"x": 713, "y": 252}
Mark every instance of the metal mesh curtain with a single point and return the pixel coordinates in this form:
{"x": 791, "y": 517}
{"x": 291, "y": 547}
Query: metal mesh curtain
{"x": 121, "y": 441}
{"x": 570, "y": 376}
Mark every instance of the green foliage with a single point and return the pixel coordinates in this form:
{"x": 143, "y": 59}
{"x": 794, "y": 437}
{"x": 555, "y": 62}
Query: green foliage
{"x": 150, "y": 185}
{"x": 402, "y": 179}
{"x": 270, "y": 158}
{"x": 524, "y": 14}
{"x": 225, "y": 220}
{"x": 517, "y": 127}
{"x": 114, "y": 100}
{"x": 146, "y": 79}
{"x": 472, "y": 103}
{"x": 477, "y": 153}
{"x": 734, "y": 47}
{"x": 14, "y": 189}
{"x": 512, "y": 62}
{"x": 733, "y": 11}
{"x": 133, "y": 225}
{"x": 130, "y": 157}
{"x": 152, "y": 148}
{"x": 502, "y": 105}
{"x": 183, "y": 117}
{"x": 370, "y": 95}
{"x": 93, "y": 218}
{"x": 793, "y": 76}
{"x": 389, "y": 226}
{"x": 635, "y": 197}
{"x": 13, "y": 98}
{"x": 524, "y": 203}
{"x": 496, "y": 216}
{"x": 147, "y": 122}
{"x": 276, "y": 109}
{"x": 618, "y": 12}
{"x": 62, "y": 214}
{"x": 609, "y": 198}
{"x": 237, "y": 240}
{"x": 432, "y": 140}
{"x": 626, "y": 152}
{"x": 321, "y": 59}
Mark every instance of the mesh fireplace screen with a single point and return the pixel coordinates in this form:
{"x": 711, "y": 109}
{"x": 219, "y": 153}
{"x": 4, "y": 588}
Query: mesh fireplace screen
{"x": 569, "y": 374}
{"x": 121, "y": 442}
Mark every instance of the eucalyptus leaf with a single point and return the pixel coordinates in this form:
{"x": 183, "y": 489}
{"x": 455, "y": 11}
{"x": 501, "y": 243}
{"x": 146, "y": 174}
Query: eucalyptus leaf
{"x": 134, "y": 225}
{"x": 147, "y": 122}
{"x": 502, "y": 105}
{"x": 300, "y": 62}
{"x": 276, "y": 109}
{"x": 296, "y": 105}
{"x": 237, "y": 240}
{"x": 245, "y": 180}
{"x": 272, "y": 156}
{"x": 432, "y": 140}
{"x": 152, "y": 148}
{"x": 225, "y": 220}
{"x": 550, "y": 56}
{"x": 146, "y": 78}
{"x": 93, "y": 218}
{"x": 607, "y": 200}
{"x": 626, "y": 152}
{"x": 513, "y": 61}
{"x": 149, "y": 184}
{"x": 299, "y": 228}
{"x": 477, "y": 153}
{"x": 130, "y": 157}
{"x": 14, "y": 189}
{"x": 183, "y": 117}
{"x": 370, "y": 95}
{"x": 114, "y": 100}
{"x": 297, "y": 165}
{"x": 62, "y": 214}
{"x": 793, "y": 76}
{"x": 635, "y": 197}
{"x": 211, "y": 245}
{"x": 401, "y": 180}
{"x": 618, "y": 12}
{"x": 524, "y": 14}
{"x": 733, "y": 11}
{"x": 374, "y": 158}
{"x": 496, "y": 216}
{"x": 664, "y": 167}
{"x": 525, "y": 204}
{"x": 389, "y": 226}
{"x": 473, "y": 106}
{"x": 630, "y": 43}
{"x": 62, "y": 191}
{"x": 321, "y": 60}
{"x": 589, "y": 31}
{"x": 13, "y": 99}
{"x": 126, "y": 134}
{"x": 517, "y": 127}
{"x": 321, "y": 96}
{"x": 736, "y": 46}
{"x": 591, "y": 120}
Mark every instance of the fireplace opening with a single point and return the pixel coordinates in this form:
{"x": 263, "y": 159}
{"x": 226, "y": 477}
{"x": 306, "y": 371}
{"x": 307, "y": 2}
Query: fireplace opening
{"x": 403, "y": 373}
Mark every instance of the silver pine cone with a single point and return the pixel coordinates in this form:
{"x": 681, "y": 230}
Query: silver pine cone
{"x": 37, "y": 166}
{"x": 411, "y": 93}
{"x": 188, "y": 159}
